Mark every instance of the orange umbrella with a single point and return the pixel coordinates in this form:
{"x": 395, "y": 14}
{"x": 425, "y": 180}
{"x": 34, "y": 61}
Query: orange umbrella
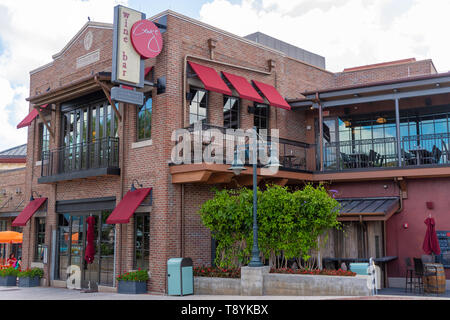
{"x": 11, "y": 237}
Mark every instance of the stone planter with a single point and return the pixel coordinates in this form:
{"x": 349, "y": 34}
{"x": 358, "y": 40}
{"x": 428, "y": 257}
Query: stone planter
{"x": 8, "y": 281}
{"x": 132, "y": 287}
{"x": 29, "y": 282}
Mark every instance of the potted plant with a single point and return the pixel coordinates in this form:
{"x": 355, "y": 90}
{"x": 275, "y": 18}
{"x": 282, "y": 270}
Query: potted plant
{"x": 30, "y": 277}
{"x": 8, "y": 276}
{"x": 133, "y": 282}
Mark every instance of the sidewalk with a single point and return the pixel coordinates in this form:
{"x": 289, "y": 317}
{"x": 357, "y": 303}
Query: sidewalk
{"x": 49, "y": 293}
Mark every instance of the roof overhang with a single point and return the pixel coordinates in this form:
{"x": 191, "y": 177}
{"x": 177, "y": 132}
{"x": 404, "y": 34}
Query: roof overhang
{"x": 380, "y": 91}
{"x": 367, "y": 209}
{"x": 72, "y": 90}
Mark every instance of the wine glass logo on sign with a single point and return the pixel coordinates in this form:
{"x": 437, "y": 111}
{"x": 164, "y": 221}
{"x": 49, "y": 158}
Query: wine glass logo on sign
{"x": 146, "y": 39}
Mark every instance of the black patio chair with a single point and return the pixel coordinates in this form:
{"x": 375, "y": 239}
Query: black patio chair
{"x": 436, "y": 154}
{"x": 409, "y": 280}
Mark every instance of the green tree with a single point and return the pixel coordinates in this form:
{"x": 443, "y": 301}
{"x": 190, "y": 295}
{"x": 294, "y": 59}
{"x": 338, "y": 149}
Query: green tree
{"x": 289, "y": 223}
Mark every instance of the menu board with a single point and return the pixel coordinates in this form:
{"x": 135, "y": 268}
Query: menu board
{"x": 444, "y": 243}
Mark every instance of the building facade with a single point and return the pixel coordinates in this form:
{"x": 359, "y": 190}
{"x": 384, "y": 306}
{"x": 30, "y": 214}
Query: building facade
{"x": 87, "y": 154}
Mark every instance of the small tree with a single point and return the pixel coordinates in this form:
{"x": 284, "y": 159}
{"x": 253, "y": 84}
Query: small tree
{"x": 289, "y": 223}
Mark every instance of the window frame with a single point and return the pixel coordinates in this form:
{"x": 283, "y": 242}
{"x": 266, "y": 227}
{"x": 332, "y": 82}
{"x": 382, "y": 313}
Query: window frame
{"x": 146, "y": 98}
{"x": 138, "y": 216}
{"x": 206, "y": 119}
{"x": 257, "y": 117}
{"x": 38, "y": 232}
{"x": 238, "y": 111}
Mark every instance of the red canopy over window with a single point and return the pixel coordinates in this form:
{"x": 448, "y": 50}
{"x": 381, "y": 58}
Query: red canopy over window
{"x": 30, "y": 117}
{"x": 28, "y": 212}
{"x": 243, "y": 87}
{"x": 274, "y": 97}
{"x": 210, "y": 79}
{"x": 126, "y": 208}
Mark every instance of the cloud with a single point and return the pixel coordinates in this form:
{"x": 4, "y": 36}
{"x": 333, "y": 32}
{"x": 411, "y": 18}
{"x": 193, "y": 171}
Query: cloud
{"x": 346, "y": 32}
{"x": 31, "y": 32}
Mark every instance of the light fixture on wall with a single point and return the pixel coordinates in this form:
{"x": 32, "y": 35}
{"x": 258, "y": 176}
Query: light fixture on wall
{"x": 133, "y": 187}
{"x": 381, "y": 120}
{"x": 347, "y": 123}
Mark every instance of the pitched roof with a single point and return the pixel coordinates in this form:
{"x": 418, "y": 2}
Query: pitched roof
{"x": 15, "y": 152}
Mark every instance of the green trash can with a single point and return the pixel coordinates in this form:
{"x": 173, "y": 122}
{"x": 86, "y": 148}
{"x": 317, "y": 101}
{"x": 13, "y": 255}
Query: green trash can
{"x": 180, "y": 277}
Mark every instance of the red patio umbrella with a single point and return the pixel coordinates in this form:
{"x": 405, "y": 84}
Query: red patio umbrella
{"x": 431, "y": 243}
{"x": 90, "y": 246}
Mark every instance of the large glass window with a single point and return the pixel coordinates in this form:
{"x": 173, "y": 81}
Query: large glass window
{"x": 142, "y": 241}
{"x": 198, "y": 105}
{"x": 144, "y": 122}
{"x": 261, "y": 116}
{"x": 44, "y": 139}
{"x": 230, "y": 112}
{"x": 40, "y": 239}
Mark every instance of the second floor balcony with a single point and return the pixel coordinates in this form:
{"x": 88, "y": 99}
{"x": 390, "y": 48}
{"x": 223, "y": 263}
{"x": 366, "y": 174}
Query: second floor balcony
{"x": 82, "y": 160}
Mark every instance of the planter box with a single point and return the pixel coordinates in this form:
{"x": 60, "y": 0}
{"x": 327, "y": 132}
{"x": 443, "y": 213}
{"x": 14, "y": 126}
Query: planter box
{"x": 217, "y": 286}
{"x": 29, "y": 282}
{"x": 132, "y": 287}
{"x": 8, "y": 281}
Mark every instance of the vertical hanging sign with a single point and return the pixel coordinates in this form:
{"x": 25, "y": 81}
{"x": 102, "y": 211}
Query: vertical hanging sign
{"x": 127, "y": 65}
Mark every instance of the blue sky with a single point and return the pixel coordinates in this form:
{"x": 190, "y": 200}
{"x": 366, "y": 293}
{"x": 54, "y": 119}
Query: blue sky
{"x": 347, "y": 33}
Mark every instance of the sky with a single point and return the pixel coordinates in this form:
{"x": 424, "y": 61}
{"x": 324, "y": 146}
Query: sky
{"x": 347, "y": 33}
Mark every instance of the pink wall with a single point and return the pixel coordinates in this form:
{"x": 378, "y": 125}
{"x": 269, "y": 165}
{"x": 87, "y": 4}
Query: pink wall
{"x": 402, "y": 242}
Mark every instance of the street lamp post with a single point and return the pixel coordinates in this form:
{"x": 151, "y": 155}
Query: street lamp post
{"x": 237, "y": 166}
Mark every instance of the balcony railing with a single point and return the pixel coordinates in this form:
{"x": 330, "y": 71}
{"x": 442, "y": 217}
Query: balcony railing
{"x": 100, "y": 154}
{"x": 292, "y": 155}
{"x": 417, "y": 150}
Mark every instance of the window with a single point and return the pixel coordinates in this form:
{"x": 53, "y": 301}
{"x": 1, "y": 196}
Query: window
{"x": 197, "y": 108}
{"x": 40, "y": 240}
{"x": 142, "y": 241}
{"x": 230, "y": 112}
{"x": 144, "y": 121}
{"x": 44, "y": 140}
{"x": 261, "y": 116}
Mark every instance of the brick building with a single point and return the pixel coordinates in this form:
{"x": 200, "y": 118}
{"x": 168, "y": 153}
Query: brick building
{"x": 85, "y": 155}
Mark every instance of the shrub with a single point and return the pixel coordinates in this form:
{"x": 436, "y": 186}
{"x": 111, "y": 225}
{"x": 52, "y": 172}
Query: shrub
{"x": 31, "y": 273}
{"x": 135, "y": 276}
{"x": 323, "y": 272}
{"x": 10, "y": 271}
{"x": 217, "y": 272}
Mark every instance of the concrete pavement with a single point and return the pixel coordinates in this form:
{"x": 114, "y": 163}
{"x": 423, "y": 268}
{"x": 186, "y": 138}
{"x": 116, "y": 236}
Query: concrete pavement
{"x": 50, "y": 293}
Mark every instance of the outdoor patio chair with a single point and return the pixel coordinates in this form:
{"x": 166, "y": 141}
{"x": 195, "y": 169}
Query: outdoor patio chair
{"x": 436, "y": 154}
{"x": 420, "y": 273}
{"x": 409, "y": 274}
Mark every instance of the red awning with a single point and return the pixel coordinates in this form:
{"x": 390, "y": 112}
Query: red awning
{"x": 147, "y": 71}
{"x": 125, "y": 209}
{"x": 243, "y": 87}
{"x": 211, "y": 80}
{"x": 274, "y": 97}
{"x": 30, "y": 117}
{"x": 28, "y": 212}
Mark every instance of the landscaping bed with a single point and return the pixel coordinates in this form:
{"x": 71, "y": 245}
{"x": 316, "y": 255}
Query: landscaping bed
{"x": 216, "y": 272}
{"x": 323, "y": 272}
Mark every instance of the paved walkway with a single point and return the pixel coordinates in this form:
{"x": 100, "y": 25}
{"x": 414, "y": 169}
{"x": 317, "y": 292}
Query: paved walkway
{"x": 49, "y": 293}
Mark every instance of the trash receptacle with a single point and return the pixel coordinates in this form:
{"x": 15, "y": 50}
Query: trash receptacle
{"x": 180, "y": 277}
{"x": 359, "y": 268}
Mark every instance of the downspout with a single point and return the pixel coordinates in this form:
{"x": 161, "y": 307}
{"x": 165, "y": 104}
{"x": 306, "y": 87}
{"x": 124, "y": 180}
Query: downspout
{"x": 182, "y": 223}
{"x": 317, "y": 101}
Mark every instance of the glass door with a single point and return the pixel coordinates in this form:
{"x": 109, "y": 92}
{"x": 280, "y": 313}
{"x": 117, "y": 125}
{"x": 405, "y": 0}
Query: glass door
{"x": 74, "y": 241}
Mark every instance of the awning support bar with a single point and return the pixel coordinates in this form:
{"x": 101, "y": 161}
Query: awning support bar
{"x": 107, "y": 92}
{"x": 45, "y": 121}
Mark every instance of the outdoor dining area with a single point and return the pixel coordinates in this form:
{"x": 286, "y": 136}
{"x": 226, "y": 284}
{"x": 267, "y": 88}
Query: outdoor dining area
{"x": 9, "y": 237}
{"x": 426, "y": 274}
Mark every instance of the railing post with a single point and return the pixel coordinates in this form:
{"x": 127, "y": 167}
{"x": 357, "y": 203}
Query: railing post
{"x": 397, "y": 126}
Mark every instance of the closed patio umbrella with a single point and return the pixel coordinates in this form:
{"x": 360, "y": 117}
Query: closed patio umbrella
{"x": 90, "y": 246}
{"x": 11, "y": 237}
{"x": 431, "y": 243}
